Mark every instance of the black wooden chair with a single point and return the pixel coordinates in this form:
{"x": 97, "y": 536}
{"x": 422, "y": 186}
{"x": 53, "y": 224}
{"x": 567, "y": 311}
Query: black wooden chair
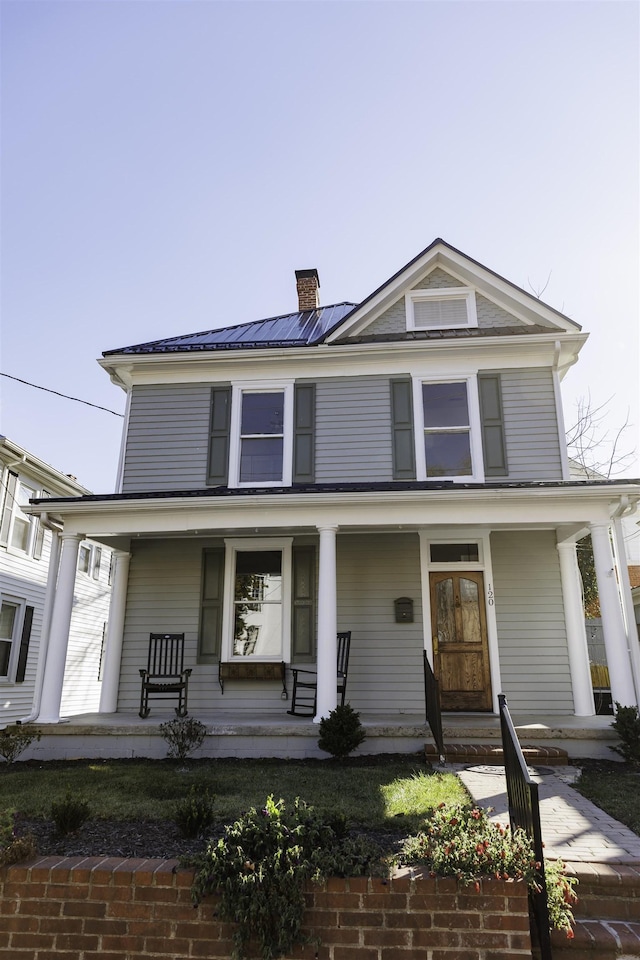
{"x": 305, "y": 682}
{"x": 165, "y": 675}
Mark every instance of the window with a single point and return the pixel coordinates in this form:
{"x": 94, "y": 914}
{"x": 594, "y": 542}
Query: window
{"x": 84, "y": 559}
{"x": 9, "y": 617}
{"x": 257, "y": 608}
{"x": 17, "y": 531}
{"x": 454, "y": 553}
{"x": 444, "y": 308}
{"x": 261, "y": 422}
{"x": 89, "y": 560}
{"x": 448, "y": 430}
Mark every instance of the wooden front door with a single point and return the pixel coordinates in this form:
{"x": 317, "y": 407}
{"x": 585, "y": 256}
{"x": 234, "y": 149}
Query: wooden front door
{"x": 459, "y": 631}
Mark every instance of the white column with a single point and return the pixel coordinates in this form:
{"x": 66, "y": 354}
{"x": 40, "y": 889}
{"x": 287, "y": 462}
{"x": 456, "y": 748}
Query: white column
{"x": 327, "y": 625}
{"x": 59, "y": 631}
{"x": 615, "y": 638}
{"x": 115, "y": 629}
{"x": 624, "y": 587}
{"x": 583, "y": 703}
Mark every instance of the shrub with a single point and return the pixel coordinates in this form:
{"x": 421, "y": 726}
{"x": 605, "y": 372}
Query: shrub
{"x": 194, "y": 814}
{"x": 627, "y": 726}
{"x": 260, "y": 866}
{"x": 341, "y": 732}
{"x": 13, "y": 848}
{"x": 15, "y": 740}
{"x": 461, "y": 841}
{"x": 183, "y": 735}
{"x": 69, "y": 814}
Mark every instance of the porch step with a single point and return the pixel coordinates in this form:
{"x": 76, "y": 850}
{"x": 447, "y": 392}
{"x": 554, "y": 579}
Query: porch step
{"x": 597, "y": 940}
{"x": 607, "y": 914}
{"x": 491, "y": 753}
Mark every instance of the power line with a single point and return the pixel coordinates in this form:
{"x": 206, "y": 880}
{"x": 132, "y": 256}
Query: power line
{"x": 65, "y": 395}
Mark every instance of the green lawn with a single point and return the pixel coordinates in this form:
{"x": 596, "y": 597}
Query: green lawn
{"x": 378, "y": 793}
{"x": 615, "y": 788}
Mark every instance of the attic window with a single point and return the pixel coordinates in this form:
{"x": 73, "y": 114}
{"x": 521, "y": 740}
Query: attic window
{"x": 441, "y": 309}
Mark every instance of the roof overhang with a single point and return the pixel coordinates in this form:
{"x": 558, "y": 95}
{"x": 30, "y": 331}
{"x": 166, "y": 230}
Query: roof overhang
{"x": 571, "y": 508}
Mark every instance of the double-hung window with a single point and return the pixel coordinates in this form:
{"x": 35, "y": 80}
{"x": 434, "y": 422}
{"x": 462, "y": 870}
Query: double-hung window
{"x": 10, "y": 625}
{"x": 257, "y": 609}
{"x": 448, "y": 442}
{"x": 261, "y": 430}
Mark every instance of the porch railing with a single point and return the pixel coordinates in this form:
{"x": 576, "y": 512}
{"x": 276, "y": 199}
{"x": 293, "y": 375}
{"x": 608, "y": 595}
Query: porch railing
{"x": 432, "y": 706}
{"x": 524, "y": 812}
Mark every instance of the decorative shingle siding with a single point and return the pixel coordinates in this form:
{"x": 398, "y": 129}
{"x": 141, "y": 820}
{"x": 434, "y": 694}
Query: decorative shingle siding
{"x": 393, "y": 320}
{"x": 530, "y": 616}
{"x": 167, "y": 438}
{"x": 353, "y": 429}
{"x": 531, "y": 426}
{"x": 437, "y": 278}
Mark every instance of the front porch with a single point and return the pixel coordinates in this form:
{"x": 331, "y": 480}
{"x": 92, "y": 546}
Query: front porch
{"x": 233, "y": 734}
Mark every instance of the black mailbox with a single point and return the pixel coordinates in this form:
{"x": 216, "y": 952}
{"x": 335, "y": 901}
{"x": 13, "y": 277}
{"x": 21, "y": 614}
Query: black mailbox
{"x": 404, "y": 610}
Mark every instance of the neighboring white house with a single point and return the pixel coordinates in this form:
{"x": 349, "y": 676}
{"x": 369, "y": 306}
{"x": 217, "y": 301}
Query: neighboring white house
{"x": 29, "y": 554}
{"x": 395, "y": 468}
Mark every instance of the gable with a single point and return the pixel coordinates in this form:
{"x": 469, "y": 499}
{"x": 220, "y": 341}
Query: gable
{"x": 474, "y": 299}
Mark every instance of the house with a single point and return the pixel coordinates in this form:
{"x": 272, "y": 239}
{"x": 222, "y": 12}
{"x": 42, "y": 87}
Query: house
{"x": 395, "y": 468}
{"x": 29, "y": 552}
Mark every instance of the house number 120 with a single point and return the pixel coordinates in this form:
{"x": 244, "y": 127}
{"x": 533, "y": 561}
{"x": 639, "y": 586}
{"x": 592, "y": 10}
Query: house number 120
{"x": 489, "y": 594}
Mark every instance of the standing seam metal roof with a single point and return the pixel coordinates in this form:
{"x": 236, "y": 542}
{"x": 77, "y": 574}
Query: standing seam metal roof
{"x": 303, "y": 328}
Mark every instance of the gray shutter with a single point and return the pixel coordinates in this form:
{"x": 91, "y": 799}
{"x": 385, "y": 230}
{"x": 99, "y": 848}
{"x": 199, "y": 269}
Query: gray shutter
{"x": 304, "y": 428}
{"x": 218, "y": 466}
{"x": 304, "y": 605}
{"x": 404, "y": 461}
{"x": 493, "y": 440}
{"x": 24, "y": 645}
{"x": 210, "y": 633}
{"x": 7, "y": 510}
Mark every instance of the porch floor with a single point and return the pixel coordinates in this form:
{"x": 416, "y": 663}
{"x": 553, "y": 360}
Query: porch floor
{"x": 269, "y": 735}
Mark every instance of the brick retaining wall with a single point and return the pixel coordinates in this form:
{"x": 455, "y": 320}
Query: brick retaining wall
{"x": 110, "y": 909}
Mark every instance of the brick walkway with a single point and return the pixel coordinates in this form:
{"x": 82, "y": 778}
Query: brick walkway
{"x": 573, "y": 828}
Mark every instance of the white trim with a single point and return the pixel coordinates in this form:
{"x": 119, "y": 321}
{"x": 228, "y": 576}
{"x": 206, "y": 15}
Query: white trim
{"x": 484, "y": 566}
{"x": 123, "y": 443}
{"x": 475, "y": 432}
{"x": 232, "y": 547}
{"x": 261, "y": 386}
{"x": 467, "y": 294}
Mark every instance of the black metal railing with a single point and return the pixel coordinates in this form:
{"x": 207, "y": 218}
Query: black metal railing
{"x": 524, "y": 812}
{"x": 432, "y": 706}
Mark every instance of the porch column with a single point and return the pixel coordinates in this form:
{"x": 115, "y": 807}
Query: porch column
{"x": 115, "y": 628}
{"x": 327, "y": 625}
{"x": 624, "y": 587}
{"x": 615, "y": 638}
{"x": 583, "y": 703}
{"x": 59, "y": 631}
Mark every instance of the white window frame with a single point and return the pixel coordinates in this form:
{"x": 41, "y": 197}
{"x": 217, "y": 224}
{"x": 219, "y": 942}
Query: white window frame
{"x": 475, "y": 429}
{"x": 17, "y": 510}
{"x": 238, "y": 390}
{"x": 232, "y": 547}
{"x": 95, "y": 558}
{"x": 20, "y": 603}
{"x": 441, "y": 293}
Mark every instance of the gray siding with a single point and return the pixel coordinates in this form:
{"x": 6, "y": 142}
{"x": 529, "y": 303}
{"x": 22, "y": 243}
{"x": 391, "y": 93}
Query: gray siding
{"x": 353, "y": 429}
{"x": 167, "y": 440}
{"x": 385, "y": 672}
{"x": 385, "y": 666}
{"x": 530, "y": 423}
{"x": 530, "y": 617}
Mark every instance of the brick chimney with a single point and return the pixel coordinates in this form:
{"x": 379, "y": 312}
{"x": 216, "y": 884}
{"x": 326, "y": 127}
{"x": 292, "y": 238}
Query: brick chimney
{"x": 308, "y": 284}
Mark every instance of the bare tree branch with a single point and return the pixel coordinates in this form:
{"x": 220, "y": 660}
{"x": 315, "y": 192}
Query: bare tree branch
{"x": 594, "y": 447}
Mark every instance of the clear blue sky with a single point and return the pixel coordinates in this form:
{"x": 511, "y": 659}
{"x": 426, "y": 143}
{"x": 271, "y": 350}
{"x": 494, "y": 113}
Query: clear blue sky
{"x": 168, "y": 165}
